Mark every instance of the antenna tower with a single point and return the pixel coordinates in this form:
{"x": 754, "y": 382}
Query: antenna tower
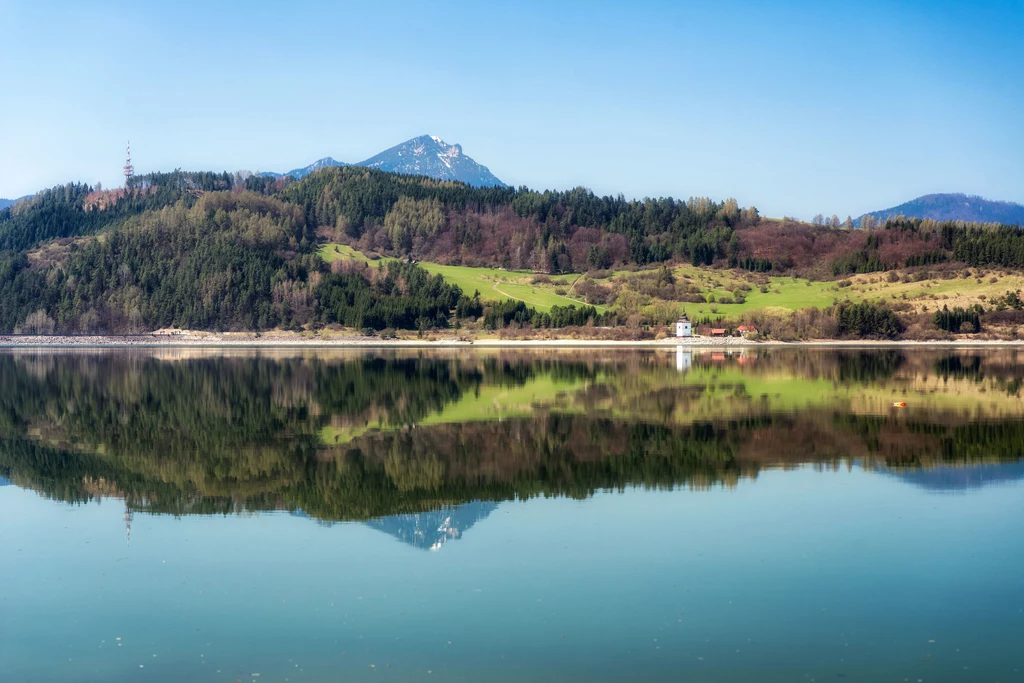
{"x": 129, "y": 170}
{"x": 128, "y": 524}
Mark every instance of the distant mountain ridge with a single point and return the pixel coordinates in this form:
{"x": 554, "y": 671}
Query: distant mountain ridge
{"x": 426, "y": 155}
{"x": 313, "y": 167}
{"x": 955, "y": 207}
{"x": 4, "y": 203}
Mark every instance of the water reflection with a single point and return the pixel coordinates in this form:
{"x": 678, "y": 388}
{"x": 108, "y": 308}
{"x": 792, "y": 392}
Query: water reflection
{"x": 958, "y": 479}
{"x": 415, "y": 436}
{"x": 431, "y": 530}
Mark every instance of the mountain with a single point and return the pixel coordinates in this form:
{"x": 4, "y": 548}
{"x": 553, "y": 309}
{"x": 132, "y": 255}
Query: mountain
{"x": 306, "y": 170}
{"x": 431, "y": 156}
{"x": 426, "y": 155}
{"x": 955, "y": 207}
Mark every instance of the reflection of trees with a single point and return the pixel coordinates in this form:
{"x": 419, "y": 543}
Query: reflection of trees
{"x": 417, "y": 469}
{"x": 207, "y": 435}
{"x": 860, "y": 366}
{"x": 955, "y": 366}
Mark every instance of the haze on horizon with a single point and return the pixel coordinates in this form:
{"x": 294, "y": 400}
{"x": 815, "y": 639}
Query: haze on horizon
{"x": 798, "y": 109}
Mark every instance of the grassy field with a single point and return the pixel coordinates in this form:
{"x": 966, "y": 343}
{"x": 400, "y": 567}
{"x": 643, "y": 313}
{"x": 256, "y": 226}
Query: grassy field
{"x": 783, "y": 292}
{"x": 793, "y": 293}
{"x": 932, "y": 294}
{"x": 494, "y": 284}
{"x": 789, "y": 293}
{"x": 342, "y": 252}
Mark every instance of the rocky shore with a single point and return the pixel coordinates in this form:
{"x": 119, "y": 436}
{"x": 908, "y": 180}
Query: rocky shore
{"x": 296, "y": 339}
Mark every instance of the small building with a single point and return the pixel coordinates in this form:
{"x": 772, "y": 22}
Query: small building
{"x": 746, "y": 329}
{"x": 717, "y": 332}
{"x": 683, "y": 327}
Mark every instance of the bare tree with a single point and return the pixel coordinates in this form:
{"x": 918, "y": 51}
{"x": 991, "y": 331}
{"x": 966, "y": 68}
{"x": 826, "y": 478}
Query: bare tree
{"x": 38, "y": 323}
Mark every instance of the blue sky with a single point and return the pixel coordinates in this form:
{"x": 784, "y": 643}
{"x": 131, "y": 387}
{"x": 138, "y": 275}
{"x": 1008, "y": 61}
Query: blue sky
{"x": 795, "y": 107}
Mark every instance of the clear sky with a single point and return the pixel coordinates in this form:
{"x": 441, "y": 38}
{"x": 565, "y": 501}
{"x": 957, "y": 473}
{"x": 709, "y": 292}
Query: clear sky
{"x": 795, "y": 107}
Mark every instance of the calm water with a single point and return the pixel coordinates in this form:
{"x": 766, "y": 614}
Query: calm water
{"x": 552, "y": 516}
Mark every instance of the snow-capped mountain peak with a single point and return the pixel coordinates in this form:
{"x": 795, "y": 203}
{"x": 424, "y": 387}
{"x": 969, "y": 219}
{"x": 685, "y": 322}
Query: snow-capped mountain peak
{"x": 426, "y": 155}
{"x": 431, "y": 156}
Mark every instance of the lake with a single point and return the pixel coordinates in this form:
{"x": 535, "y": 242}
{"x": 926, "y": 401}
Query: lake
{"x": 767, "y": 514}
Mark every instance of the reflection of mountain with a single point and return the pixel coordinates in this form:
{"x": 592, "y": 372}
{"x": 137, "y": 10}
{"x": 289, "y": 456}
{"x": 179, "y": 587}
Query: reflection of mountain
{"x": 960, "y": 478}
{"x": 433, "y": 529}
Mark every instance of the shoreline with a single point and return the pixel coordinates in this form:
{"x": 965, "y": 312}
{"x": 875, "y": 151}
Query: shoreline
{"x": 242, "y": 340}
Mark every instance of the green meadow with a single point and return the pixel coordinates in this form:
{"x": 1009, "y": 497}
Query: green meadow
{"x": 494, "y": 284}
{"x": 780, "y": 292}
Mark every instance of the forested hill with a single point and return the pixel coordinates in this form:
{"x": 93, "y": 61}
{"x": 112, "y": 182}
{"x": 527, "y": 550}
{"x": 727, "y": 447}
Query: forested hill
{"x": 75, "y": 209}
{"x": 954, "y": 207}
{"x": 514, "y": 228}
{"x": 224, "y": 252}
{"x": 578, "y": 231}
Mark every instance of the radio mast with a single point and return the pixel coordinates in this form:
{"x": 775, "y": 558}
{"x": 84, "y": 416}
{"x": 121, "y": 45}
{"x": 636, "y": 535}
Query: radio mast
{"x": 129, "y": 170}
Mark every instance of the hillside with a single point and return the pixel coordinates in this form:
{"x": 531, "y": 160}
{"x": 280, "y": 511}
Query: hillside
{"x": 225, "y": 252}
{"x": 427, "y": 155}
{"x": 954, "y": 207}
